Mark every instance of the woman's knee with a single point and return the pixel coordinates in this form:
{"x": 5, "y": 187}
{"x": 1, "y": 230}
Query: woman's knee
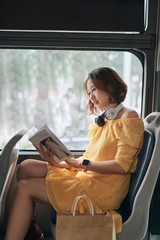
{"x": 34, "y": 189}
{"x": 23, "y": 169}
{"x": 31, "y": 168}
{"x": 22, "y": 187}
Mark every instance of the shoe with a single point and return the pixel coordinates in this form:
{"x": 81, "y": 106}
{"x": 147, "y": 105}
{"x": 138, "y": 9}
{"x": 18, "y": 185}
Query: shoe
{"x": 34, "y": 232}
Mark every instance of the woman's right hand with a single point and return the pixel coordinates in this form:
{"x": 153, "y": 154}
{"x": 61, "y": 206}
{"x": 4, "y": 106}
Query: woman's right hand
{"x": 48, "y": 157}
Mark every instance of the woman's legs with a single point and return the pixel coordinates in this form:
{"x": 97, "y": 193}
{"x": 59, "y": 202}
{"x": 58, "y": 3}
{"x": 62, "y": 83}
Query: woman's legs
{"x": 28, "y": 192}
{"x": 30, "y": 189}
{"x": 31, "y": 168}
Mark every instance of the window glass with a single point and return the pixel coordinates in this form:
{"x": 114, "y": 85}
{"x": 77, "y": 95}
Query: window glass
{"x": 46, "y": 87}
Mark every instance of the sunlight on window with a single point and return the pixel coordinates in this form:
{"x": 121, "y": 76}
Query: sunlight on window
{"x": 46, "y": 87}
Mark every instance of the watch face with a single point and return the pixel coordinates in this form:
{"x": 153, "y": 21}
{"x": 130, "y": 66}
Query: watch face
{"x": 85, "y": 162}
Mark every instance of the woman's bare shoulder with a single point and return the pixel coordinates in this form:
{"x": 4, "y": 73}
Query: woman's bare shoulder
{"x": 129, "y": 113}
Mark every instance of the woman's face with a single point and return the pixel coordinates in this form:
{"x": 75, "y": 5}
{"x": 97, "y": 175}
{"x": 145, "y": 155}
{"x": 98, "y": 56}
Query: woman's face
{"x": 99, "y": 98}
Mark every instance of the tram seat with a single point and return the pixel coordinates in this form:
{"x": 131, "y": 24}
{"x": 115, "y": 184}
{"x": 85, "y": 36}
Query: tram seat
{"x": 135, "y": 207}
{"x": 8, "y": 160}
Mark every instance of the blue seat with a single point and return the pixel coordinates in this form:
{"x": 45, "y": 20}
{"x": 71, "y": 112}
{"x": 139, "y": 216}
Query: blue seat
{"x": 144, "y": 158}
{"x": 135, "y": 207}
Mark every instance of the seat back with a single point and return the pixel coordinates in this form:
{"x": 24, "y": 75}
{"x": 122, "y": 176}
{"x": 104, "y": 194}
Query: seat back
{"x": 137, "y": 177}
{"x": 8, "y": 162}
{"x": 142, "y": 185}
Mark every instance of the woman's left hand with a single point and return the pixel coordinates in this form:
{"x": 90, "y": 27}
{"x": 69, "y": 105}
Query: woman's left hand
{"x": 73, "y": 162}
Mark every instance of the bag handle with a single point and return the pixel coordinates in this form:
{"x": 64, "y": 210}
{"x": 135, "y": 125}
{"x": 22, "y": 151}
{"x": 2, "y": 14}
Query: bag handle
{"x": 91, "y": 210}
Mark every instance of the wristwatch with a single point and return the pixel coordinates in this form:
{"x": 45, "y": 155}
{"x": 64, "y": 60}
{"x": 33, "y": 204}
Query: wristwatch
{"x": 85, "y": 164}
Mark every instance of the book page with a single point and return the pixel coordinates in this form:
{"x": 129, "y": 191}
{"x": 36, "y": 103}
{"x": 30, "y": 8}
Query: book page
{"x": 49, "y": 139}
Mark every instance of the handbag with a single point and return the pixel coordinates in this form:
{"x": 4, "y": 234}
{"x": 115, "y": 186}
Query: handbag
{"x": 92, "y": 226}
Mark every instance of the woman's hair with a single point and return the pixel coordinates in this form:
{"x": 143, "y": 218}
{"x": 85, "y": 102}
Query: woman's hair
{"x": 107, "y": 80}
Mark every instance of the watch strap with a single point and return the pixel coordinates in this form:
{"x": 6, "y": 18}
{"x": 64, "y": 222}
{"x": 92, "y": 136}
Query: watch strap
{"x": 85, "y": 168}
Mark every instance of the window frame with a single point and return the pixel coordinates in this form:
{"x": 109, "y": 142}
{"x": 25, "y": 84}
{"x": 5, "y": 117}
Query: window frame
{"x": 144, "y": 46}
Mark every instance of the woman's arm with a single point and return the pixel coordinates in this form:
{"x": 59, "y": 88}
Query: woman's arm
{"x": 105, "y": 167}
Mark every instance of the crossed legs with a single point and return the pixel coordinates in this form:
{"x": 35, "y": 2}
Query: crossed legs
{"x": 30, "y": 189}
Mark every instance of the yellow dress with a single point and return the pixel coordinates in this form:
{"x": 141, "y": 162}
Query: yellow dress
{"x": 118, "y": 139}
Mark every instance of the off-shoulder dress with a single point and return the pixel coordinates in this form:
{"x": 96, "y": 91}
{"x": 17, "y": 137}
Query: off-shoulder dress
{"x": 119, "y": 139}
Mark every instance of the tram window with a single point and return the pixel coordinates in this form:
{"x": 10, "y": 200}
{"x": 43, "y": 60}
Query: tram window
{"x": 46, "y": 87}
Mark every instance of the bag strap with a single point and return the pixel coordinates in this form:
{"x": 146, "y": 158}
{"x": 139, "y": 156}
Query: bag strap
{"x": 73, "y": 210}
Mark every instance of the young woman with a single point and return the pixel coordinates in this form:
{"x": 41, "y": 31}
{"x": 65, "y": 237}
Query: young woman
{"x": 102, "y": 173}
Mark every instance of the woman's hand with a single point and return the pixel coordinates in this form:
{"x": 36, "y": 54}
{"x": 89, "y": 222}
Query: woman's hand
{"x": 46, "y": 156}
{"x": 73, "y": 162}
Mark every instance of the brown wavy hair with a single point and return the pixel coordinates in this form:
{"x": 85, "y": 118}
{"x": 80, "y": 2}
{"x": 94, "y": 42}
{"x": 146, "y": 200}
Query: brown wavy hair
{"x": 107, "y": 80}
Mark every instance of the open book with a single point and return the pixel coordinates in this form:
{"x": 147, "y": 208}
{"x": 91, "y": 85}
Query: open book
{"x": 45, "y": 136}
